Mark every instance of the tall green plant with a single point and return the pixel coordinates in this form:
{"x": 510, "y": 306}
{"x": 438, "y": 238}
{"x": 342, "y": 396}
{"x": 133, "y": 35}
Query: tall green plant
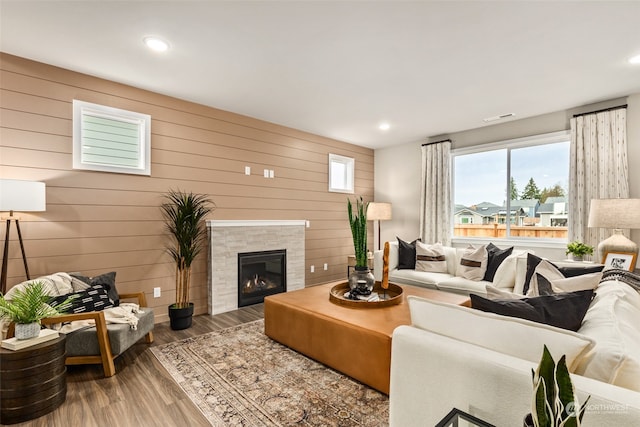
{"x": 358, "y": 224}
{"x": 554, "y": 401}
{"x": 184, "y": 214}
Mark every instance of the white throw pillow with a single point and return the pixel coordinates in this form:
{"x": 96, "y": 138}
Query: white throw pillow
{"x": 509, "y": 335}
{"x": 576, "y": 283}
{"x": 473, "y": 263}
{"x": 430, "y": 258}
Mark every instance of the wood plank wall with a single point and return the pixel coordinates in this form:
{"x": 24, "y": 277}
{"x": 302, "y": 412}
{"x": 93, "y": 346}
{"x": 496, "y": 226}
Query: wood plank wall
{"x": 98, "y": 222}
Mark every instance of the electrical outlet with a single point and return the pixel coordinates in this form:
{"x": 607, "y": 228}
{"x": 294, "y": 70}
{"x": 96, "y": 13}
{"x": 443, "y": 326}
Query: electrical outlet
{"x": 266, "y": 173}
{"x": 326, "y": 266}
{"x": 308, "y": 223}
{"x": 156, "y": 292}
{"x": 247, "y": 170}
{"x": 313, "y": 268}
{"x": 272, "y": 174}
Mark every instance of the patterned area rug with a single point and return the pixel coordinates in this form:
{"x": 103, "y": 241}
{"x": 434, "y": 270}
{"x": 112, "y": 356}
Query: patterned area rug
{"x": 240, "y": 377}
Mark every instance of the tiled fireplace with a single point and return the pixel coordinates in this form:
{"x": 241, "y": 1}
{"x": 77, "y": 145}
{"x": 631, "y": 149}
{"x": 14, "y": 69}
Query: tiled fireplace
{"x": 228, "y": 239}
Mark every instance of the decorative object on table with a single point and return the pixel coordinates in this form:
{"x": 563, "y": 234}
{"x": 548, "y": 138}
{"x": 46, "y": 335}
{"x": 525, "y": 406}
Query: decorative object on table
{"x": 184, "y": 214}
{"x": 24, "y": 196}
{"x": 618, "y": 214}
{"x": 43, "y": 335}
{"x": 378, "y": 298}
{"x": 385, "y": 266}
{"x": 620, "y": 260}
{"x": 378, "y": 211}
{"x": 361, "y": 280}
{"x": 28, "y": 306}
{"x": 554, "y": 402}
{"x": 578, "y": 250}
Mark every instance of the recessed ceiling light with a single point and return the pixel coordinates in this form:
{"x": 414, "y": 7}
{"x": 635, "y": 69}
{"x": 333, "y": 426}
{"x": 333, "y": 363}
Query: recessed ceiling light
{"x": 634, "y": 60}
{"x": 384, "y": 126}
{"x": 156, "y": 44}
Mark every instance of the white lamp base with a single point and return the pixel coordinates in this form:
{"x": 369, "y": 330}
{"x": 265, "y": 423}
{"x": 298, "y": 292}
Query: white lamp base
{"x": 616, "y": 243}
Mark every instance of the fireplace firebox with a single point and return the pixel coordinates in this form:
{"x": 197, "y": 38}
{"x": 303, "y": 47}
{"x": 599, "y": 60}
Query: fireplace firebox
{"x": 261, "y": 274}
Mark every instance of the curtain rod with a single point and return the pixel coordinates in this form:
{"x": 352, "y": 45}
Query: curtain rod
{"x": 601, "y": 111}
{"x": 436, "y": 142}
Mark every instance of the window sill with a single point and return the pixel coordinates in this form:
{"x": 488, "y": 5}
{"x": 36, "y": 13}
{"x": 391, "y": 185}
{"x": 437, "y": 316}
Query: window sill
{"x": 520, "y": 243}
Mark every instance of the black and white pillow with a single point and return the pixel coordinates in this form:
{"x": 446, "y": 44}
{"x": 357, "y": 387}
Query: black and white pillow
{"x": 95, "y": 298}
{"x": 542, "y": 275}
{"x": 107, "y": 280}
{"x": 496, "y": 256}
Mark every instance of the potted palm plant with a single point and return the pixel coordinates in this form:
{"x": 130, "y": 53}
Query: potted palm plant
{"x": 554, "y": 402}
{"x": 28, "y": 306}
{"x": 361, "y": 281}
{"x": 184, "y": 214}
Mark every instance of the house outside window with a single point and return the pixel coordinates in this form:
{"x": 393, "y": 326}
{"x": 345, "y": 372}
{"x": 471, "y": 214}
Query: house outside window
{"x": 516, "y": 189}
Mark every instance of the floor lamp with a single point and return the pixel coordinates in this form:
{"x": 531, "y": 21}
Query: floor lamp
{"x": 379, "y": 212}
{"x": 24, "y": 196}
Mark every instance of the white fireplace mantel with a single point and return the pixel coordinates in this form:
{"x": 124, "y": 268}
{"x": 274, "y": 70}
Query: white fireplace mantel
{"x": 254, "y": 223}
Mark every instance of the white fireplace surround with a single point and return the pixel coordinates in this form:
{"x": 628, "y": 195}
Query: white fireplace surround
{"x": 227, "y": 238}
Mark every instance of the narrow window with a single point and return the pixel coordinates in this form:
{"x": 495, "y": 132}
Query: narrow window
{"x": 341, "y": 174}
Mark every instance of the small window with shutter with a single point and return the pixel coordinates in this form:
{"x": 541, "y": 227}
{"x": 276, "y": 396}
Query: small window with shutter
{"x": 110, "y": 139}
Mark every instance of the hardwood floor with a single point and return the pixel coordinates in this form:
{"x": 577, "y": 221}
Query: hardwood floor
{"x": 141, "y": 393}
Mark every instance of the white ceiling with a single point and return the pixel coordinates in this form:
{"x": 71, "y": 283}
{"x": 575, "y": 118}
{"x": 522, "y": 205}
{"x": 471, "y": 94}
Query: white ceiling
{"x": 339, "y": 68}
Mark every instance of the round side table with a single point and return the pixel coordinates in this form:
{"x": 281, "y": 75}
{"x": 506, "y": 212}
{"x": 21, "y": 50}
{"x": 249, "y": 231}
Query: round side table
{"x": 32, "y": 381}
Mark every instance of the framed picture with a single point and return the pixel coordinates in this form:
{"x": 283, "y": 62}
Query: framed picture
{"x": 620, "y": 260}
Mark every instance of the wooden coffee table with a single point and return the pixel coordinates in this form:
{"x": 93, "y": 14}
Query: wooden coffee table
{"x": 354, "y": 341}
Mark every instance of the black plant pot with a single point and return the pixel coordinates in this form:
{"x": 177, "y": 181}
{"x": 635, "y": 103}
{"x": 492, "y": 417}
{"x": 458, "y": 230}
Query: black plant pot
{"x": 528, "y": 421}
{"x": 180, "y": 317}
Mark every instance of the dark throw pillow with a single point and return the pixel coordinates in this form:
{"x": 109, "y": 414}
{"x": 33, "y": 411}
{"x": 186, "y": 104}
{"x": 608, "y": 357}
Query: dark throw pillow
{"x": 579, "y": 271}
{"x": 95, "y": 298}
{"x": 406, "y": 254}
{"x": 496, "y": 256}
{"x": 108, "y": 280}
{"x": 564, "y": 310}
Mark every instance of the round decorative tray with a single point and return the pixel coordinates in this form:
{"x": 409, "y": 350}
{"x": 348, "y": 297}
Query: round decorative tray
{"x": 388, "y": 297}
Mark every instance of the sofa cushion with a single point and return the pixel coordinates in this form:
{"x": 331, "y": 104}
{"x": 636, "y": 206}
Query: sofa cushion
{"x": 533, "y": 262}
{"x": 417, "y": 278}
{"x": 430, "y": 258}
{"x": 473, "y": 263}
{"x": 406, "y": 254}
{"x": 564, "y": 310}
{"x": 507, "y": 271}
{"x": 612, "y": 322}
{"x": 84, "y": 342}
{"x": 513, "y": 336}
{"x": 460, "y": 284}
{"x": 495, "y": 258}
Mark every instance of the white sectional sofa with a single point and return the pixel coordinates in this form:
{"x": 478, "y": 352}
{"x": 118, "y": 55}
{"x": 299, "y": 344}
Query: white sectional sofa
{"x": 478, "y": 362}
{"x": 510, "y": 270}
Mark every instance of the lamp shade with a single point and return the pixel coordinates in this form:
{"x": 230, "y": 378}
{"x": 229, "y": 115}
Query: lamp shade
{"x": 23, "y": 196}
{"x": 614, "y": 213}
{"x": 379, "y": 211}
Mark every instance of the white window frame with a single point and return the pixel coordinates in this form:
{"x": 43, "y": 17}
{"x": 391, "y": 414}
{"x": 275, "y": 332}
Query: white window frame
{"x": 341, "y": 174}
{"x": 81, "y": 145}
{"x": 511, "y": 144}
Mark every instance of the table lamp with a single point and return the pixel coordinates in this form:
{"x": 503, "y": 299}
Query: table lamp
{"x": 617, "y": 214}
{"x": 24, "y": 196}
{"x": 379, "y": 212}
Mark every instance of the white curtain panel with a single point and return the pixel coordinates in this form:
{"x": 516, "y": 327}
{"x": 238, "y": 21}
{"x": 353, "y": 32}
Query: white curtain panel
{"x": 435, "y": 194}
{"x": 598, "y": 169}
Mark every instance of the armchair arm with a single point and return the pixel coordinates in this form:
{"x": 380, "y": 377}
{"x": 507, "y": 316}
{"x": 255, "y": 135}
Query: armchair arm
{"x": 142, "y": 300}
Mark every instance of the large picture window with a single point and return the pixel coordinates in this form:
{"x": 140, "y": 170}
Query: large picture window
{"x": 514, "y": 189}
